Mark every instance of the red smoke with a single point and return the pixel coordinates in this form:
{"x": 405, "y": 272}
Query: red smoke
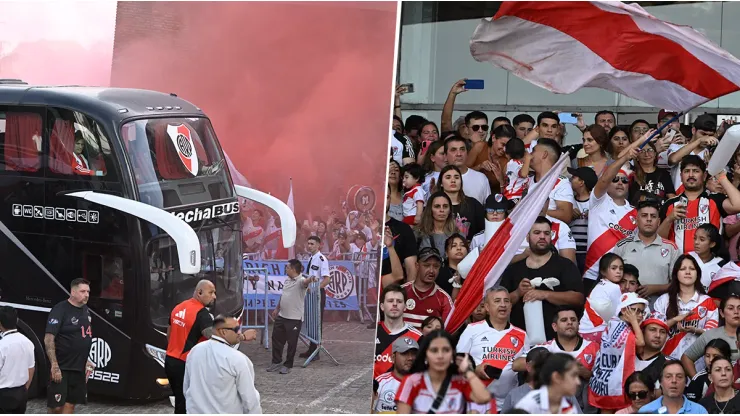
{"x": 299, "y": 90}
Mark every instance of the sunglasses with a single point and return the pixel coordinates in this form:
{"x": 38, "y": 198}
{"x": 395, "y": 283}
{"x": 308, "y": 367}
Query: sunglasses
{"x": 623, "y": 179}
{"x": 638, "y": 395}
{"x": 476, "y": 127}
{"x": 236, "y": 330}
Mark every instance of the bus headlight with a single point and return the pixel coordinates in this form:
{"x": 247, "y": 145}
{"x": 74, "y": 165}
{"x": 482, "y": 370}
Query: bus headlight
{"x": 157, "y": 354}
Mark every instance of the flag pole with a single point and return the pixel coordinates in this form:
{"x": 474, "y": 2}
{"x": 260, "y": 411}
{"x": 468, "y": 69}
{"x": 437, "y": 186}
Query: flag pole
{"x": 660, "y": 129}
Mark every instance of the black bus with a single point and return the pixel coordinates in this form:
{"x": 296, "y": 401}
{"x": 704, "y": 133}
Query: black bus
{"x": 130, "y": 190}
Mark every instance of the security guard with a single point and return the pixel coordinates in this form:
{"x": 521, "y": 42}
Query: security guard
{"x": 318, "y": 267}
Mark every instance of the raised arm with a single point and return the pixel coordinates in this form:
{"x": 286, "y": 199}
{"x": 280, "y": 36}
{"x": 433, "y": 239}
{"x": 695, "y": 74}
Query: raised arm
{"x": 457, "y": 88}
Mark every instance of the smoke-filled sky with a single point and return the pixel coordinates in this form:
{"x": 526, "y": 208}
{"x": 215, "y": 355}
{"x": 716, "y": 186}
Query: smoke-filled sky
{"x": 299, "y": 90}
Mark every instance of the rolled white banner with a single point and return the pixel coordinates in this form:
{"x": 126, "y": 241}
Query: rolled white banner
{"x": 463, "y": 268}
{"x": 725, "y": 150}
{"x": 534, "y": 320}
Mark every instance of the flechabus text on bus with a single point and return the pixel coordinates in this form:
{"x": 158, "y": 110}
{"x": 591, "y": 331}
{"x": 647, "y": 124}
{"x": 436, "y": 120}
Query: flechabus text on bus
{"x": 199, "y": 214}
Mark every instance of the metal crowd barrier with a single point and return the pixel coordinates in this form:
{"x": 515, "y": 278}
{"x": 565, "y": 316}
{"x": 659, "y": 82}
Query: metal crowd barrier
{"x": 366, "y": 277}
{"x": 257, "y": 316}
{"x": 311, "y": 329}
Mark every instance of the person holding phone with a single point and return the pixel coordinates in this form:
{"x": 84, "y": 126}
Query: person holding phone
{"x": 494, "y": 344}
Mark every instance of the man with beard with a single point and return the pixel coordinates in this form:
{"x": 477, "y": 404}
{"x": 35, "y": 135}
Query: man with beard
{"x": 494, "y": 344}
{"x": 190, "y": 323}
{"x": 542, "y": 262}
{"x": 565, "y": 324}
{"x": 650, "y": 360}
{"x": 393, "y": 305}
{"x": 673, "y": 401}
{"x": 682, "y": 215}
{"x": 386, "y": 385}
{"x": 424, "y": 297}
{"x": 653, "y": 255}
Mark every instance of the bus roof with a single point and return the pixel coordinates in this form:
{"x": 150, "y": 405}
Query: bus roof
{"x": 115, "y": 104}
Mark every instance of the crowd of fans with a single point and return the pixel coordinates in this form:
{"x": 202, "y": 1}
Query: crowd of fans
{"x": 643, "y": 313}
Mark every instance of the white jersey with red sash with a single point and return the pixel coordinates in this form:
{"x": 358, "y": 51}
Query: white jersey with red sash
{"x": 706, "y": 209}
{"x": 708, "y": 269}
{"x": 561, "y": 237}
{"x": 615, "y": 362}
{"x": 607, "y": 224}
{"x": 585, "y": 351}
{"x": 703, "y": 314}
{"x": 562, "y": 191}
{"x": 605, "y": 290}
{"x": 515, "y": 184}
{"x": 486, "y": 344}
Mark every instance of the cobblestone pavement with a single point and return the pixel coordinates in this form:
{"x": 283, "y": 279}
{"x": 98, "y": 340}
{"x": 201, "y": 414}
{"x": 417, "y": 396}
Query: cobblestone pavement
{"x": 322, "y": 387}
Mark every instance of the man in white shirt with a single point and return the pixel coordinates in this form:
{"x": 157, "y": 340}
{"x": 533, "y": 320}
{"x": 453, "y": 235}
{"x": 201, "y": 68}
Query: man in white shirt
{"x": 218, "y": 377}
{"x": 475, "y": 184}
{"x": 17, "y": 363}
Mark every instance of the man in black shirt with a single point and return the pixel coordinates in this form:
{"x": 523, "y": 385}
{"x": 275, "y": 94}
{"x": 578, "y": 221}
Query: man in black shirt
{"x": 543, "y": 262}
{"x": 68, "y": 339}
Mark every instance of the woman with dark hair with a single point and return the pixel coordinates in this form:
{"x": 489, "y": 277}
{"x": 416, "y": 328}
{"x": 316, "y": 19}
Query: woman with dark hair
{"x": 395, "y": 190}
{"x": 595, "y": 143}
{"x": 688, "y": 310}
{"x": 433, "y": 162}
{"x": 428, "y": 134}
{"x": 639, "y": 391}
{"x": 619, "y": 139}
{"x": 556, "y": 380}
{"x": 648, "y": 179}
{"x": 436, "y": 384}
{"x": 468, "y": 213}
{"x": 456, "y": 248}
{"x": 708, "y": 253}
{"x": 431, "y": 324}
{"x": 724, "y": 399}
{"x": 606, "y": 291}
{"x": 437, "y": 223}
{"x": 699, "y": 384}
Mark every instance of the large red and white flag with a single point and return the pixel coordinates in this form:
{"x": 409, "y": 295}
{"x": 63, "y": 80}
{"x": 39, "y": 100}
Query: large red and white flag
{"x": 291, "y": 250}
{"x": 565, "y": 46}
{"x": 502, "y": 247}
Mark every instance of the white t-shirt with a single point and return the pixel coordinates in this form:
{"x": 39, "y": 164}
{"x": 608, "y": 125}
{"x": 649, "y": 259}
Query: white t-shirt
{"x": 476, "y": 185}
{"x": 662, "y": 162}
{"x": 562, "y": 191}
{"x": 605, "y": 290}
{"x": 410, "y": 198}
{"x": 608, "y": 223}
{"x": 708, "y": 269}
{"x": 427, "y": 185}
{"x": 538, "y": 402}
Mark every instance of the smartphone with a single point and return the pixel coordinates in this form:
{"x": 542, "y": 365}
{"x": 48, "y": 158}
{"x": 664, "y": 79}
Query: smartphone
{"x": 408, "y": 88}
{"x": 493, "y": 372}
{"x": 474, "y": 84}
{"x": 568, "y": 118}
{"x": 684, "y": 201}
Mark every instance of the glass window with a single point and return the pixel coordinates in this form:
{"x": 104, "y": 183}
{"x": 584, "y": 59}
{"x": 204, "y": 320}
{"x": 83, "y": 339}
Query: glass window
{"x": 176, "y": 161}
{"x": 221, "y": 263}
{"x": 106, "y": 269}
{"x": 77, "y": 145}
{"x": 20, "y": 140}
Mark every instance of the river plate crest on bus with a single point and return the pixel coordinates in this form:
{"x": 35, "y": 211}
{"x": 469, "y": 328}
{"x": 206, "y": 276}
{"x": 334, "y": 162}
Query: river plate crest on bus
{"x": 183, "y": 142}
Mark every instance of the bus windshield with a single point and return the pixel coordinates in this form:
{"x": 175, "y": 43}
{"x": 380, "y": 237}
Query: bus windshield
{"x": 221, "y": 263}
{"x": 176, "y": 161}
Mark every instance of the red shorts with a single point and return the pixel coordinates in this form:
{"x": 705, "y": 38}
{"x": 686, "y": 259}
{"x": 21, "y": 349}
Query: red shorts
{"x": 409, "y": 220}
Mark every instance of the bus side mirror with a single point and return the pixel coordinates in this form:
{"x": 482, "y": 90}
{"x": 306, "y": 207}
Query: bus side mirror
{"x": 287, "y": 219}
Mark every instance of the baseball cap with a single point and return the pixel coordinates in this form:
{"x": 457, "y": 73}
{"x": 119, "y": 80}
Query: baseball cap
{"x": 404, "y": 344}
{"x": 655, "y": 318}
{"x": 428, "y": 252}
{"x": 663, "y": 114}
{"x": 706, "y": 122}
{"x": 586, "y": 174}
{"x": 497, "y": 202}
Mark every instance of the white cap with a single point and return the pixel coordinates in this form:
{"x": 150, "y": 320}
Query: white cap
{"x": 629, "y": 299}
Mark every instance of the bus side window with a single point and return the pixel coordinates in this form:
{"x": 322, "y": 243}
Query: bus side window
{"x": 75, "y": 145}
{"x": 20, "y": 141}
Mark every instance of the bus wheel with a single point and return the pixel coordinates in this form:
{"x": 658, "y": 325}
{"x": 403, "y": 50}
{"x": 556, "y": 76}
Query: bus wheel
{"x": 41, "y": 372}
